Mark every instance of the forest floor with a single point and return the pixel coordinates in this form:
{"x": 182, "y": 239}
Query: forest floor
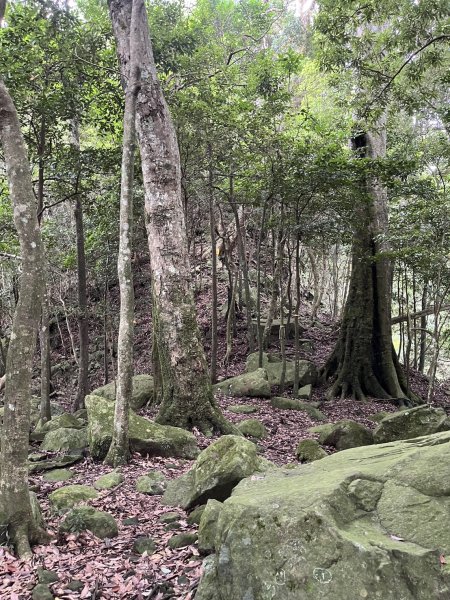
{"x": 109, "y": 568}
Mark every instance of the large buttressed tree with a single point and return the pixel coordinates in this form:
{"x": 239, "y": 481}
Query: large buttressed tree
{"x": 389, "y": 49}
{"x": 16, "y": 514}
{"x": 183, "y": 378}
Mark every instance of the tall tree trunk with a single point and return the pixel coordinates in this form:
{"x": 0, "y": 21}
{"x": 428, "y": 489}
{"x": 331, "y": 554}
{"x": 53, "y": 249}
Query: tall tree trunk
{"x": 187, "y": 399}
{"x": 83, "y": 331}
{"x": 214, "y": 300}
{"x": 119, "y": 451}
{"x": 363, "y": 361}
{"x": 15, "y": 505}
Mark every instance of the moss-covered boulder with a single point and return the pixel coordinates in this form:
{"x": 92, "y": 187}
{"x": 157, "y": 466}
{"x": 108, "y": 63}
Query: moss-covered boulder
{"x": 306, "y": 370}
{"x": 83, "y": 518}
{"x": 64, "y": 439}
{"x": 273, "y": 365}
{"x": 411, "y": 423}
{"x": 154, "y": 483}
{"x": 143, "y": 545}
{"x": 344, "y": 435}
{"x": 195, "y": 516}
{"x": 253, "y": 428}
{"x": 369, "y": 522}
{"x": 305, "y": 392}
{"x": 64, "y": 421}
{"x": 217, "y": 470}
{"x": 58, "y": 475}
{"x": 208, "y": 526}
{"x": 255, "y": 385}
{"x": 309, "y": 450}
{"x": 42, "y": 592}
{"x": 142, "y": 391}
{"x": 108, "y": 481}
{"x": 70, "y": 495}
{"x": 146, "y": 437}
{"x": 242, "y": 409}
{"x": 292, "y": 404}
{"x": 180, "y": 540}
{"x": 169, "y": 517}
{"x": 54, "y": 463}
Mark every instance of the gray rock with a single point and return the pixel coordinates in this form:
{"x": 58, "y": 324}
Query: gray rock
{"x": 144, "y": 544}
{"x": 309, "y": 450}
{"x": 253, "y": 385}
{"x": 369, "y": 522}
{"x": 208, "y": 526}
{"x": 142, "y": 391}
{"x": 153, "y": 484}
{"x": 64, "y": 439}
{"x": 411, "y": 423}
{"x": 216, "y": 472}
{"x": 146, "y": 437}
{"x": 253, "y": 428}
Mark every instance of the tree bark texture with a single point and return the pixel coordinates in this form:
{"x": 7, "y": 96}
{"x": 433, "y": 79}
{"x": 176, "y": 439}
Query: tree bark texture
{"x": 83, "y": 327}
{"x": 119, "y": 451}
{"x": 364, "y": 362}
{"x": 15, "y": 506}
{"x": 187, "y": 399}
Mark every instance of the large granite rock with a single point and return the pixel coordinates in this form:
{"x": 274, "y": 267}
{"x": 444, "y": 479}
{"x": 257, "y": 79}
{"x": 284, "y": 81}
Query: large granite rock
{"x": 217, "y": 470}
{"x": 66, "y": 421}
{"x": 273, "y": 366}
{"x": 411, "y": 423}
{"x": 146, "y": 437}
{"x": 141, "y": 395}
{"x": 68, "y": 496}
{"x": 64, "y": 439}
{"x": 255, "y": 385}
{"x": 343, "y": 435}
{"x": 369, "y": 522}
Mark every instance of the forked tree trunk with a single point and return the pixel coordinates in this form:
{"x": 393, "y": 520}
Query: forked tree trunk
{"x": 363, "y": 362}
{"x": 187, "y": 398}
{"x": 119, "y": 451}
{"x": 15, "y": 506}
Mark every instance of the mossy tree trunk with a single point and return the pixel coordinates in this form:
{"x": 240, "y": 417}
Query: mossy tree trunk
{"x": 15, "y": 506}
{"x": 363, "y": 362}
{"x": 187, "y": 399}
{"x": 119, "y": 451}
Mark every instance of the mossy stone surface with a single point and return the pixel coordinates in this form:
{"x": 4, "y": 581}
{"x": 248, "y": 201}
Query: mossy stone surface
{"x": 70, "y": 495}
{"x": 83, "y": 518}
{"x": 352, "y": 525}
{"x": 58, "y": 475}
{"x": 293, "y": 404}
{"x": 309, "y": 450}
{"x": 64, "y": 439}
{"x": 274, "y": 366}
{"x": 411, "y": 423}
{"x": 142, "y": 391}
{"x": 75, "y": 585}
{"x": 215, "y": 472}
{"x": 195, "y": 516}
{"x": 253, "y": 428}
{"x": 42, "y": 592}
{"x": 154, "y": 483}
{"x": 144, "y": 544}
{"x": 244, "y": 409}
{"x": 64, "y": 421}
{"x": 146, "y": 437}
{"x": 181, "y": 540}
{"x": 45, "y": 576}
{"x": 254, "y": 385}
{"x": 169, "y": 517}
{"x": 346, "y": 434}
{"x": 305, "y": 392}
{"x": 208, "y": 526}
{"x": 108, "y": 481}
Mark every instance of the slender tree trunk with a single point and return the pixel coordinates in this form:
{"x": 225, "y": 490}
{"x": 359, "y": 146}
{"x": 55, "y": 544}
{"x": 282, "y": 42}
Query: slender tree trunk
{"x": 423, "y": 327}
{"x": 83, "y": 327}
{"x": 15, "y": 505}
{"x": 214, "y": 301}
{"x": 363, "y": 361}
{"x": 119, "y": 451}
{"x": 187, "y": 394}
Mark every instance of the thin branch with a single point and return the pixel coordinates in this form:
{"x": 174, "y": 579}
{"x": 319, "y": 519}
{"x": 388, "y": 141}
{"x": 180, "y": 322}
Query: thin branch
{"x": 12, "y": 256}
